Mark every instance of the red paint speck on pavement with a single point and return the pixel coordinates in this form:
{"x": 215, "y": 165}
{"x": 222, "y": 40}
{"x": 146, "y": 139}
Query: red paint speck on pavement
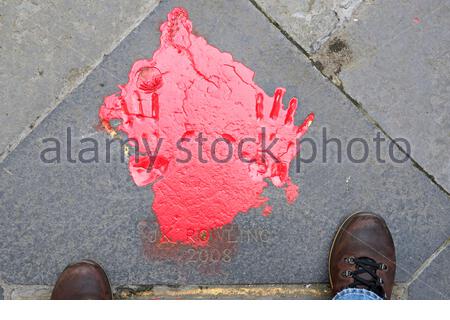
{"x": 189, "y": 88}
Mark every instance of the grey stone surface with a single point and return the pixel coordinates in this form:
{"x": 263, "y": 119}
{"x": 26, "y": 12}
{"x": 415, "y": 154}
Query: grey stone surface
{"x": 47, "y": 47}
{"x": 396, "y": 63}
{"x": 55, "y": 214}
{"x": 1, "y": 293}
{"x": 434, "y": 282}
{"x": 28, "y": 292}
{"x": 310, "y": 22}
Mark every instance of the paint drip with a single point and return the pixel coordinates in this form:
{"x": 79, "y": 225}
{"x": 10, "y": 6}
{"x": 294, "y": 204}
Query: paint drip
{"x": 190, "y": 90}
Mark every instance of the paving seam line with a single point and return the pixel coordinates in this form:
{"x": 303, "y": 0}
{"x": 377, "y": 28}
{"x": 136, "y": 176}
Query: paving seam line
{"x": 67, "y": 91}
{"x": 427, "y": 262}
{"x": 236, "y": 291}
{"x": 355, "y": 103}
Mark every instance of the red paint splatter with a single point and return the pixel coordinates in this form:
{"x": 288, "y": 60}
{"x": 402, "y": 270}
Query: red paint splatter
{"x": 189, "y": 88}
{"x": 267, "y": 211}
{"x": 417, "y": 20}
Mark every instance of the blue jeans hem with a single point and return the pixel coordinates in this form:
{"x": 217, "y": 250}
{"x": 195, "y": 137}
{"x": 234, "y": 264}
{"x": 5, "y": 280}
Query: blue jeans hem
{"x": 356, "y": 294}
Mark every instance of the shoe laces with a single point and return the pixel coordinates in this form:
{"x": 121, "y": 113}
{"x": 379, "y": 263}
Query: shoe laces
{"x": 365, "y": 274}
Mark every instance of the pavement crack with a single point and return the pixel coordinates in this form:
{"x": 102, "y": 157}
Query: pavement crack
{"x": 278, "y": 26}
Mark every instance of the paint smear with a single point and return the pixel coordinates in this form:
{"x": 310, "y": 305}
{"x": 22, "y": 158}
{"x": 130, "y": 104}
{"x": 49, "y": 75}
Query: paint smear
{"x": 189, "y": 88}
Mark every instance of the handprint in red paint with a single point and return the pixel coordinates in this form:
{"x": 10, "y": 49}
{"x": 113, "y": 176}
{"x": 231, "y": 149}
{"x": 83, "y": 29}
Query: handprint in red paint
{"x": 208, "y": 136}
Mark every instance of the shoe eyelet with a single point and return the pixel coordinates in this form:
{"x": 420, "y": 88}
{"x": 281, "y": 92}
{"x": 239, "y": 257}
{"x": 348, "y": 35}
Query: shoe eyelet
{"x": 347, "y": 273}
{"x": 380, "y": 281}
{"x": 350, "y": 260}
{"x": 383, "y": 267}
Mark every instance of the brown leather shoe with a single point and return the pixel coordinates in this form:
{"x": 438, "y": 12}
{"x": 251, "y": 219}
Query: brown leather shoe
{"x": 85, "y": 280}
{"x": 363, "y": 255}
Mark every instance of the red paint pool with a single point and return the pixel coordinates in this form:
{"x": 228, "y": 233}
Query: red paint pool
{"x": 187, "y": 89}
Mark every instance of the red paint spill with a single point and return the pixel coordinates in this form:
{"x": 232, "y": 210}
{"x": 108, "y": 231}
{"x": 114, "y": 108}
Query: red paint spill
{"x": 189, "y": 87}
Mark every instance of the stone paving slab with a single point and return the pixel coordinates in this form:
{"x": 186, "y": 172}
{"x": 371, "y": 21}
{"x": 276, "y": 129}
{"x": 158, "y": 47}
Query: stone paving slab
{"x": 56, "y": 214}
{"x": 310, "y": 23}
{"x": 434, "y": 281}
{"x": 394, "y": 61}
{"x": 49, "y": 47}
